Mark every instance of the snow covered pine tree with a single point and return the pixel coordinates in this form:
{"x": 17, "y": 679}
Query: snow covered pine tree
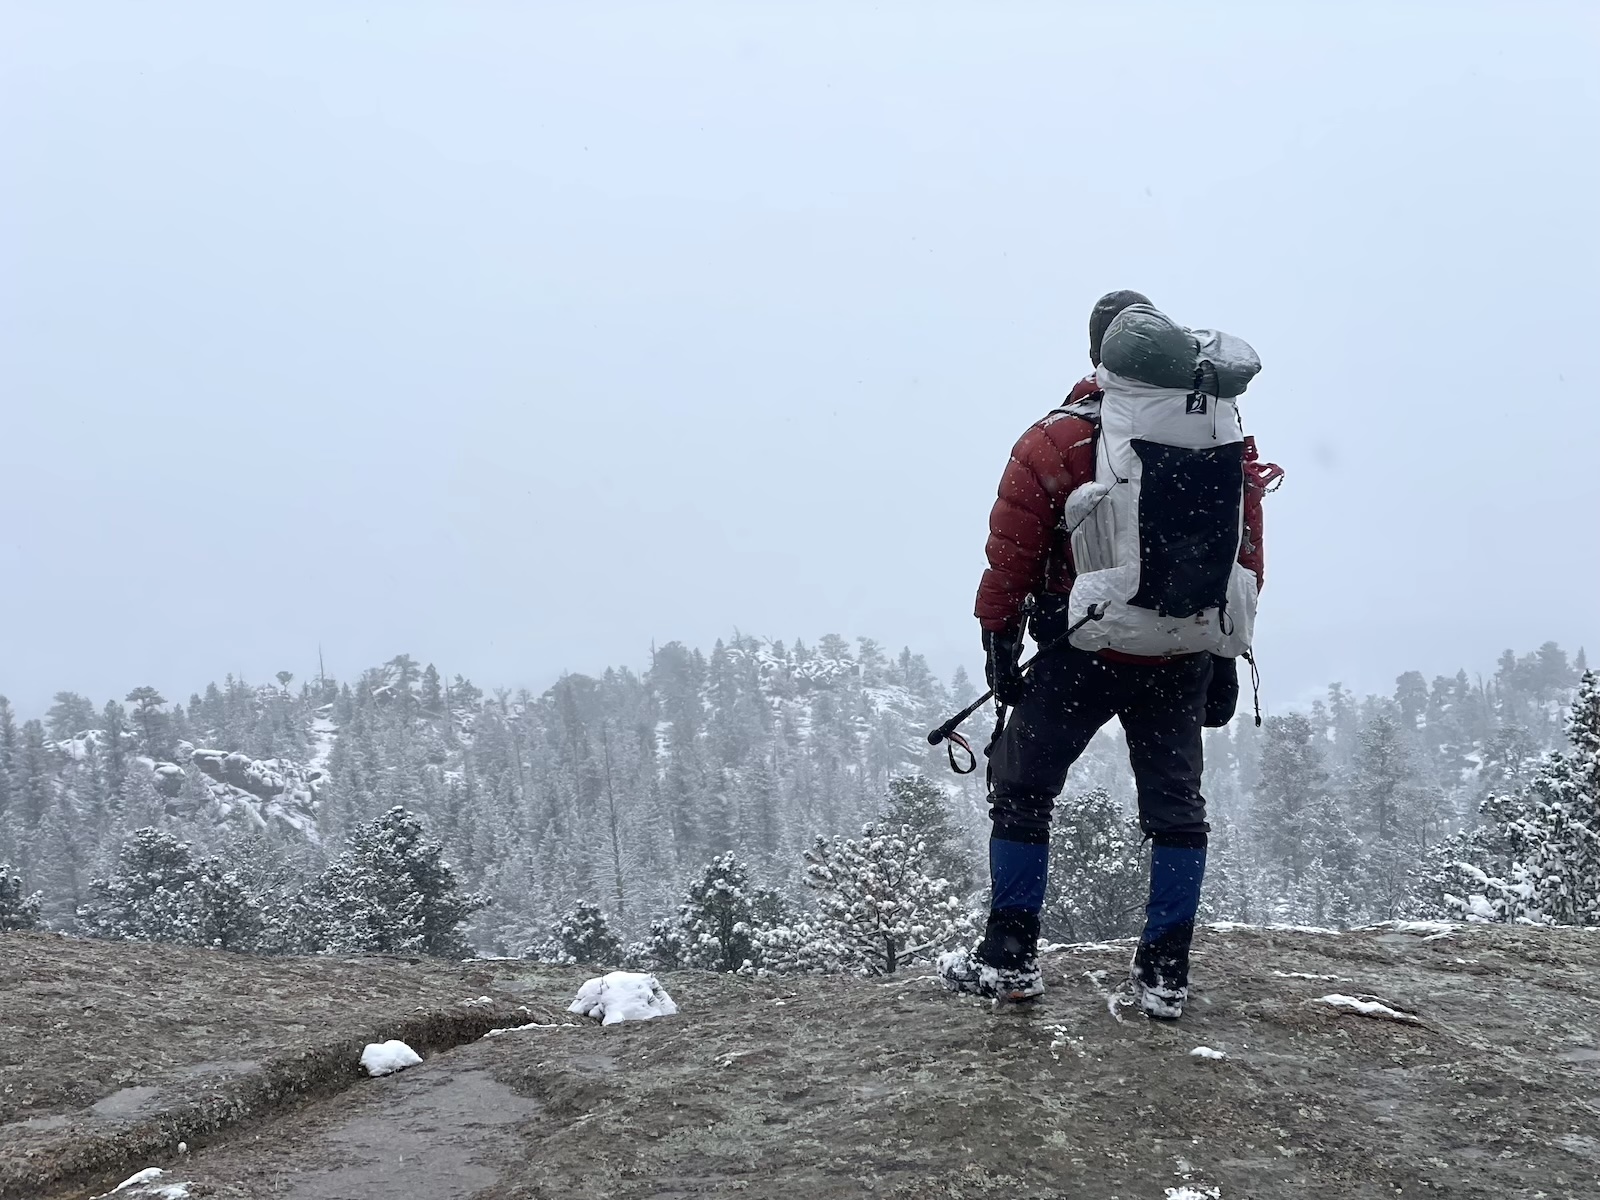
{"x": 583, "y": 936}
{"x": 719, "y": 922}
{"x": 878, "y": 908}
{"x": 1096, "y": 889}
{"x": 1549, "y": 834}
{"x": 918, "y": 802}
{"x": 161, "y": 893}
{"x": 17, "y": 911}
{"x": 148, "y": 898}
{"x": 390, "y": 892}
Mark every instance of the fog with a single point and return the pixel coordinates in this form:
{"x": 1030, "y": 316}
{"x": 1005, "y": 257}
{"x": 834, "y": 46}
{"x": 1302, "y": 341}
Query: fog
{"x": 519, "y": 338}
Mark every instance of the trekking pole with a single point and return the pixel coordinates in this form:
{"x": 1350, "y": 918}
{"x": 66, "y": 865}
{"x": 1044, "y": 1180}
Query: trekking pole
{"x": 949, "y": 732}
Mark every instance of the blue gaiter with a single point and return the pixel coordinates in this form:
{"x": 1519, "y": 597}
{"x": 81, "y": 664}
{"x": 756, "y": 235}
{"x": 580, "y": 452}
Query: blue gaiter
{"x": 1175, "y": 876}
{"x": 1018, "y": 871}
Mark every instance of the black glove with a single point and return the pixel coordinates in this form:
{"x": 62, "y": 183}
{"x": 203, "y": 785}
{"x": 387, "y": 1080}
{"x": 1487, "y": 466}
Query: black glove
{"x": 1003, "y": 648}
{"x": 1222, "y": 697}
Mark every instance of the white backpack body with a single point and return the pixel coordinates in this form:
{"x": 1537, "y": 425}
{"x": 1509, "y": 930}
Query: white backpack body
{"x": 1156, "y": 534}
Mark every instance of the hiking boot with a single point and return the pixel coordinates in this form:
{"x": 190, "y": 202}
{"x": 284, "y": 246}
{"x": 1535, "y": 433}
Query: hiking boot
{"x": 1159, "y": 973}
{"x": 963, "y": 971}
{"x": 1010, "y": 939}
{"x": 1004, "y": 965}
{"x": 1159, "y": 1000}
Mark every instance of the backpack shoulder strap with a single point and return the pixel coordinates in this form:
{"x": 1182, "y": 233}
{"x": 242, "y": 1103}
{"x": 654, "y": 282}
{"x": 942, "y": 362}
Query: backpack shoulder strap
{"x": 1082, "y": 402}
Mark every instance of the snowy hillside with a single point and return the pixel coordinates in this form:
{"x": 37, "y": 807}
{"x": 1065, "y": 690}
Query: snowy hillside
{"x": 619, "y": 789}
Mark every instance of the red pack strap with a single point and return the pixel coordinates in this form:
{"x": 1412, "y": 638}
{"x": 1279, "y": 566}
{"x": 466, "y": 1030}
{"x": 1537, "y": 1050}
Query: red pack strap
{"x": 1264, "y": 477}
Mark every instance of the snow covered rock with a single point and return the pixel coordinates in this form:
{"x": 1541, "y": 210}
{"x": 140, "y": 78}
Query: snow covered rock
{"x": 1207, "y": 1052}
{"x": 265, "y": 791}
{"x": 385, "y": 1058}
{"x": 147, "y": 1183}
{"x": 148, "y": 1175}
{"x": 623, "y": 996}
{"x": 169, "y": 778}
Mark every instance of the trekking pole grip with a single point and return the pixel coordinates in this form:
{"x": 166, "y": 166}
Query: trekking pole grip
{"x": 941, "y": 734}
{"x": 947, "y": 731}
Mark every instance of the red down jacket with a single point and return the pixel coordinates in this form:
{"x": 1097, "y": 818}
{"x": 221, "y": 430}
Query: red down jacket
{"x": 1028, "y": 549}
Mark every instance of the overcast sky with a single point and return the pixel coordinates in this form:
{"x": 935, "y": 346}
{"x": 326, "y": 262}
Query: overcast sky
{"x": 517, "y": 337}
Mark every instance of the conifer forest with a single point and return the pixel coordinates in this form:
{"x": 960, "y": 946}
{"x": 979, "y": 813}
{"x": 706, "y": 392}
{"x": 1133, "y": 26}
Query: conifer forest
{"x": 761, "y": 805}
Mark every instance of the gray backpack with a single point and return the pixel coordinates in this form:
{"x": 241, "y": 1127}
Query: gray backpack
{"x": 1156, "y": 533}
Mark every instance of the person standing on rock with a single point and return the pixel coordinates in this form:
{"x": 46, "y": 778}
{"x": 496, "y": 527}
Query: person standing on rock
{"x": 1127, "y": 538}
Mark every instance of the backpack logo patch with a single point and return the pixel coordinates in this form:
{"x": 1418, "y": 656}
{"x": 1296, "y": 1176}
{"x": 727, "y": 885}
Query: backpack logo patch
{"x": 1195, "y": 404}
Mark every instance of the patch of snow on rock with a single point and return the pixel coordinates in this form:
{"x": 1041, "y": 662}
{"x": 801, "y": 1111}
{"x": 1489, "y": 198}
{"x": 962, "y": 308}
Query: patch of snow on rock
{"x": 81, "y": 747}
{"x": 323, "y": 733}
{"x": 1207, "y": 1052}
{"x": 385, "y": 1058}
{"x": 148, "y": 1175}
{"x": 1420, "y": 926}
{"x": 1368, "y": 1008}
{"x": 623, "y": 996}
{"x": 146, "y": 1185}
{"x": 1086, "y": 947}
{"x": 266, "y": 792}
{"x": 1189, "y": 1193}
{"x": 494, "y": 1033}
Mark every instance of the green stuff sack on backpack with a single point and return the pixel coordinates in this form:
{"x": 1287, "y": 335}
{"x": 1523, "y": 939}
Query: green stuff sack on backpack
{"x": 1147, "y": 346}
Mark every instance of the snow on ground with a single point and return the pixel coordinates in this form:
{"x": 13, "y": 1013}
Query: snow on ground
{"x": 1436, "y": 928}
{"x": 148, "y": 1175}
{"x": 1116, "y": 997}
{"x": 1241, "y": 926}
{"x": 385, "y": 1058}
{"x": 1061, "y": 1038}
{"x": 1305, "y": 975}
{"x": 1188, "y": 1193}
{"x": 147, "y": 1185}
{"x": 494, "y": 1033}
{"x": 1207, "y": 1052}
{"x": 1368, "y": 1008}
{"x": 623, "y": 996}
{"x": 81, "y": 747}
{"x": 323, "y": 732}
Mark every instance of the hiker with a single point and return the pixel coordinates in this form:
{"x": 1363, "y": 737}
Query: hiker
{"x": 1124, "y": 513}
